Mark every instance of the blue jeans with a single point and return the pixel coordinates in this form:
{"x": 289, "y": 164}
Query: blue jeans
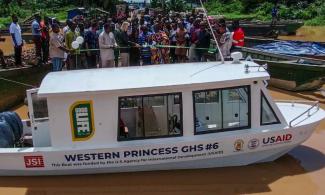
{"x": 57, "y": 64}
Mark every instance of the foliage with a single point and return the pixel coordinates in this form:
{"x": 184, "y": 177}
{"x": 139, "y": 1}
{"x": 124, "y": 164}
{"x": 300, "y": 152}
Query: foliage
{"x": 312, "y": 11}
{"x": 156, "y": 3}
{"x": 224, "y": 7}
{"x": 4, "y": 22}
{"x": 52, "y": 8}
{"x": 170, "y": 5}
{"x": 176, "y": 5}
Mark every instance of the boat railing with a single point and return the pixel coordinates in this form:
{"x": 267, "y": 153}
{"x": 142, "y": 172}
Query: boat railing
{"x": 41, "y": 119}
{"x": 314, "y": 104}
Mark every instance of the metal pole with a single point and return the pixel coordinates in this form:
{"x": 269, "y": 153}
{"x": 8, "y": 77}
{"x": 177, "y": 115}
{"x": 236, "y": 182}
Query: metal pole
{"x": 214, "y": 37}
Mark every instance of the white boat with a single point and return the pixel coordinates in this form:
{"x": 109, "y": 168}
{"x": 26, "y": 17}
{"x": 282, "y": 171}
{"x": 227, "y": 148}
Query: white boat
{"x": 160, "y": 117}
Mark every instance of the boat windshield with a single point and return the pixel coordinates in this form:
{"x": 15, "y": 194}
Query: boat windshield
{"x": 37, "y": 106}
{"x": 40, "y": 107}
{"x": 268, "y": 116}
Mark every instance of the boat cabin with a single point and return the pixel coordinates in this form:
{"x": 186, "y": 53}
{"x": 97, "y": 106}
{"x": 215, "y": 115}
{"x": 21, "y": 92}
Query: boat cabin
{"x": 95, "y": 108}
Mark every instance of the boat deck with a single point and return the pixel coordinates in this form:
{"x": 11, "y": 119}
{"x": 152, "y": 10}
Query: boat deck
{"x": 299, "y": 113}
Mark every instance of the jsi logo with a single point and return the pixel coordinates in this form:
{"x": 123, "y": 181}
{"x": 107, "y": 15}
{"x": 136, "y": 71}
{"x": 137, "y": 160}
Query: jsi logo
{"x": 34, "y": 161}
{"x": 81, "y": 114}
{"x": 277, "y": 139}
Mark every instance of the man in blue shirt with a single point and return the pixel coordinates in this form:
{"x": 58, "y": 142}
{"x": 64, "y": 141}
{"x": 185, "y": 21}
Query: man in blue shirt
{"x": 15, "y": 32}
{"x": 37, "y": 38}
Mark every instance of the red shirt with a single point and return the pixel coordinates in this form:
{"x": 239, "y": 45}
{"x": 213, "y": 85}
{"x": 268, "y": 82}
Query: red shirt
{"x": 238, "y": 37}
{"x": 45, "y": 31}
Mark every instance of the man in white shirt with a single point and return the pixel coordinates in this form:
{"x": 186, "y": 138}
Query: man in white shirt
{"x": 15, "y": 32}
{"x": 106, "y": 43}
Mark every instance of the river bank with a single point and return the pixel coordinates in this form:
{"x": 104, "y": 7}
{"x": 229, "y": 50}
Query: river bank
{"x": 12, "y": 94}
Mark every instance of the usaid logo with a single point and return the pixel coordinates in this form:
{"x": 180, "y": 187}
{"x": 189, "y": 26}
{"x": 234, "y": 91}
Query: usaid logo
{"x": 277, "y": 139}
{"x": 253, "y": 143}
{"x": 82, "y": 120}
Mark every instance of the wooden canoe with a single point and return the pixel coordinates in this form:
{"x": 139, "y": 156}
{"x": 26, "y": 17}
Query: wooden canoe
{"x": 254, "y": 41}
{"x": 292, "y": 73}
{"x": 264, "y": 28}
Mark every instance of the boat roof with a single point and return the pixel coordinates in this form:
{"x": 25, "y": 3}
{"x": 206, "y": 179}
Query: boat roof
{"x": 153, "y": 76}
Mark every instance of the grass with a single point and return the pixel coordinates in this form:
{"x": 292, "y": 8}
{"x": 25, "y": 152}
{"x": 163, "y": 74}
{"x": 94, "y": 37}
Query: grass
{"x": 59, "y": 13}
{"x": 313, "y": 14}
{"x": 232, "y": 16}
{"x": 4, "y": 22}
{"x": 318, "y": 21}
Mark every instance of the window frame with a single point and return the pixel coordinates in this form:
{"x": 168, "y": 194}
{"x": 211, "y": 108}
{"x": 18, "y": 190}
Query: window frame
{"x": 261, "y": 111}
{"x": 151, "y": 95}
{"x": 221, "y": 95}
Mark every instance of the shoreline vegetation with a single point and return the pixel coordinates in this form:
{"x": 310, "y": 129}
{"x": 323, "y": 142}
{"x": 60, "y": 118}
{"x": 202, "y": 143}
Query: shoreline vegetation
{"x": 312, "y": 12}
{"x": 51, "y": 8}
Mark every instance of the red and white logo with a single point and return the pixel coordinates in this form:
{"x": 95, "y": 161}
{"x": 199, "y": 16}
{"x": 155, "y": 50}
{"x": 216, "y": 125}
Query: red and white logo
{"x": 34, "y": 161}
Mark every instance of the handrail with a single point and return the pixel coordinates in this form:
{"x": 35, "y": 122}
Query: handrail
{"x": 315, "y": 103}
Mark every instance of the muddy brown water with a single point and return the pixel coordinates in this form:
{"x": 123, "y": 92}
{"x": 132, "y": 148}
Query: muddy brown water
{"x": 302, "y": 171}
{"x": 7, "y": 46}
{"x": 308, "y": 33}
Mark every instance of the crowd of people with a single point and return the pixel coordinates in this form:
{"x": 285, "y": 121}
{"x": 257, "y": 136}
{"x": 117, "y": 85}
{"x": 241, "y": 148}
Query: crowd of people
{"x": 131, "y": 39}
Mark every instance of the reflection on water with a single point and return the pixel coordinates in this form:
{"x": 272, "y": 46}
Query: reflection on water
{"x": 308, "y": 33}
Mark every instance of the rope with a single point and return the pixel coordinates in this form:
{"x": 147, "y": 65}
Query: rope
{"x": 155, "y": 46}
{"x": 20, "y": 83}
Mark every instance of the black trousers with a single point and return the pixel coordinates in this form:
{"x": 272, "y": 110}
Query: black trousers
{"x": 45, "y": 50}
{"x": 2, "y": 60}
{"x": 92, "y": 60}
{"x": 18, "y": 51}
{"x": 38, "y": 48}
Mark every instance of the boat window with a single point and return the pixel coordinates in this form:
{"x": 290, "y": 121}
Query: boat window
{"x": 268, "y": 115}
{"x": 39, "y": 107}
{"x": 153, "y": 116}
{"x": 221, "y": 110}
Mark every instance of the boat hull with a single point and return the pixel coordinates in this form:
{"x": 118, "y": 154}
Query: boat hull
{"x": 264, "y": 28}
{"x": 251, "y": 42}
{"x": 293, "y": 76}
{"x": 206, "y": 151}
{"x": 294, "y": 86}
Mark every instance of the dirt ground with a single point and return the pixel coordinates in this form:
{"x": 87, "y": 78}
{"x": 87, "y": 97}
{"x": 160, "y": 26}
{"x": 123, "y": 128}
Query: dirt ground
{"x": 302, "y": 171}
